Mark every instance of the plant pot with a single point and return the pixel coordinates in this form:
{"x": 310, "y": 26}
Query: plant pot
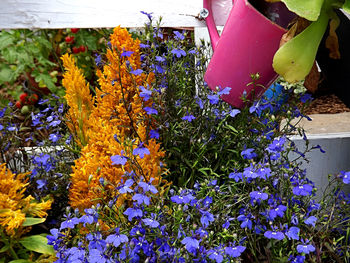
{"x": 246, "y": 46}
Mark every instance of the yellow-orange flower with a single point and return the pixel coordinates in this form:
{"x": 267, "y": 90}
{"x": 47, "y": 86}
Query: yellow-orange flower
{"x": 14, "y": 206}
{"x": 78, "y": 98}
{"x": 117, "y": 124}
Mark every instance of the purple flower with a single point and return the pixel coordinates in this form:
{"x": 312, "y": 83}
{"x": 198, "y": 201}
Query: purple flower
{"x": 248, "y": 153}
{"x": 206, "y": 218}
{"x": 96, "y": 256}
{"x": 274, "y": 235}
{"x": 98, "y": 60}
{"x": 127, "y": 53}
{"x": 54, "y": 238}
{"x": 277, "y": 145}
{"x": 118, "y": 159}
{"x": 246, "y": 222}
{"x": 136, "y": 72}
{"x": 153, "y": 134}
{"x": 179, "y": 36}
{"x": 69, "y": 222}
{"x": 234, "y": 252}
{"x": 345, "y": 176}
{"x": 117, "y": 239}
{"x": 236, "y": 176}
{"x": 311, "y": 221}
{"x": 150, "y": 110}
{"x": 234, "y": 112}
{"x": 160, "y": 59}
{"x": 145, "y": 93}
{"x": 213, "y": 99}
{"x": 54, "y": 137}
{"x": 42, "y": 159}
{"x": 257, "y": 195}
{"x": 224, "y": 91}
{"x": 141, "y": 199}
{"x": 306, "y": 97}
{"x": 191, "y": 244}
{"x": 133, "y": 212}
{"x": 178, "y": 52}
{"x": 150, "y": 222}
{"x": 41, "y": 183}
{"x": 148, "y": 187}
{"x": 278, "y": 211}
{"x": 141, "y": 151}
{"x": 215, "y": 255}
{"x": 188, "y": 118}
{"x": 293, "y": 233}
{"x": 303, "y": 190}
{"x": 144, "y": 45}
{"x": 149, "y": 15}
{"x": 305, "y": 248}
{"x": 125, "y": 188}
{"x": 1, "y": 127}
{"x": 181, "y": 199}
{"x": 199, "y": 102}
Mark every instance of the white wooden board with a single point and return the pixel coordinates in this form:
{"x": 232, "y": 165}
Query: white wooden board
{"x": 94, "y": 14}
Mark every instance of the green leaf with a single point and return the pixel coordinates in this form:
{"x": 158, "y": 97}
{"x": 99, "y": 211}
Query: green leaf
{"x": 38, "y": 244}
{"x": 4, "y": 248}
{"x": 346, "y": 6}
{"x": 6, "y": 39}
{"x": 33, "y": 221}
{"x": 309, "y": 9}
{"x": 294, "y": 60}
{"x": 6, "y": 75}
{"x": 10, "y": 55}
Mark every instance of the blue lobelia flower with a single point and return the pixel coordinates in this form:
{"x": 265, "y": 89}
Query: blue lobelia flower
{"x": 181, "y": 199}
{"x": 311, "y": 221}
{"x": 248, "y": 153}
{"x": 206, "y": 218}
{"x": 69, "y": 222}
{"x": 150, "y": 110}
{"x": 224, "y": 91}
{"x": 278, "y": 211}
{"x": 117, "y": 238}
{"x": 246, "y": 222}
{"x": 119, "y": 159}
{"x": 345, "y": 176}
{"x": 234, "y": 112}
{"x": 127, "y": 53}
{"x": 191, "y": 244}
{"x": 179, "y": 36}
{"x": 215, "y": 255}
{"x": 150, "y": 222}
{"x": 188, "y": 118}
{"x": 293, "y": 233}
{"x": 145, "y": 93}
{"x": 41, "y": 183}
{"x": 236, "y": 176}
{"x": 178, "y": 52}
{"x": 96, "y": 256}
{"x": 234, "y": 252}
{"x": 149, "y": 15}
{"x": 278, "y": 235}
{"x": 305, "y": 248}
{"x": 141, "y": 199}
{"x": 160, "y": 59}
{"x": 257, "y": 195}
{"x": 136, "y": 72}
{"x": 303, "y": 190}
{"x": 153, "y": 134}
{"x": 141, "y": 151}
{"x": 126, "y": 187}
{"x": 54, "y": 238}
{"x": 133, "y": 212}
{"x": 147, "y": 187}
{"x": 213, "y": 99}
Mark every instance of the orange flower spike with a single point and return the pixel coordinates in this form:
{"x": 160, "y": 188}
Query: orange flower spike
{"x": 78, "y": 98}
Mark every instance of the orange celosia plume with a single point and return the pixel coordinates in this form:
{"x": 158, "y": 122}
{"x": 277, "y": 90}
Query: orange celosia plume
{"x": 14, "y": 206}
{"x": 116, "y": 124}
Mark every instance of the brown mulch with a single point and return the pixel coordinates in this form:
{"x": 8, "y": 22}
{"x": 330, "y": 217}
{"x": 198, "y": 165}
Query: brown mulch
{"x": 327, "y": 104}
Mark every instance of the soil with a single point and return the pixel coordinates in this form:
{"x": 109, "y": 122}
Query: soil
{"x": 327, "y": 104}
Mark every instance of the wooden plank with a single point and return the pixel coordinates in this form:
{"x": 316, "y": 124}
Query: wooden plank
{"x": 96, "y": 14}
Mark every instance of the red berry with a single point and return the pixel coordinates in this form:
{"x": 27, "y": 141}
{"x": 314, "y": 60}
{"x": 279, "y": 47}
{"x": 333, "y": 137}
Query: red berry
{"x": 76, "y": 50}
{"x": 74, "y": 30}
{"x": 82, "y": 48}
{"x": 23, "y": 97}
{"x": 69, "y": 39}
{"x": 18, "y": 104}
{"x": 33, "y": 99}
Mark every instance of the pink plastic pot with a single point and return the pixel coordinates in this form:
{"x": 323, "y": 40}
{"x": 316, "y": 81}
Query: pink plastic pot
{"x": 246, "y": 46}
